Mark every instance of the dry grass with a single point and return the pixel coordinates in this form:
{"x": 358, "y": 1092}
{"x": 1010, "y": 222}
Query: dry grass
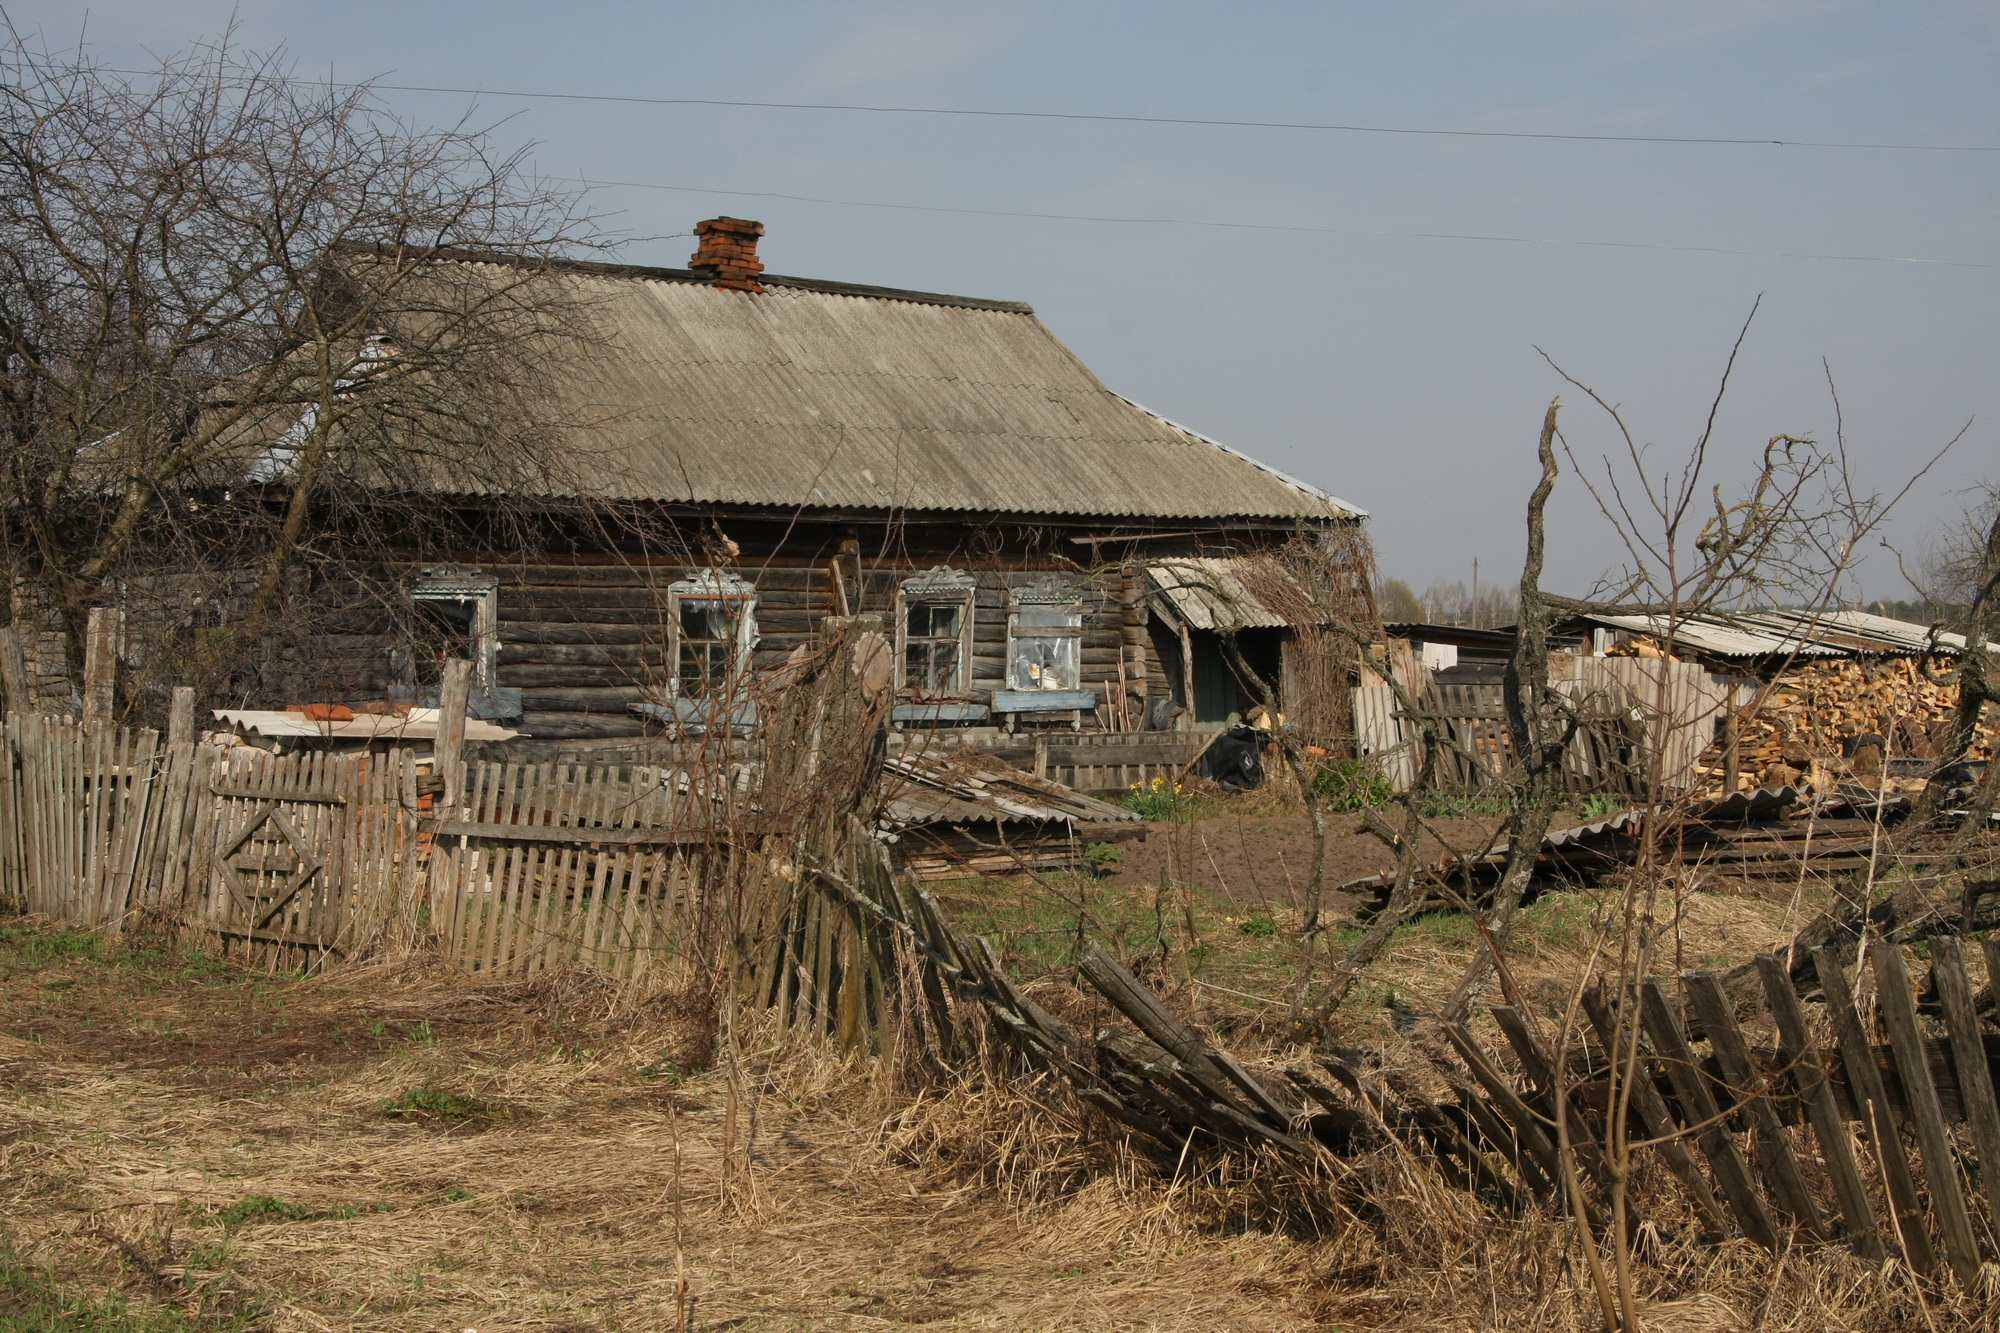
{"x": 146, "y": 1097}
{"x": 212, "y": 1145}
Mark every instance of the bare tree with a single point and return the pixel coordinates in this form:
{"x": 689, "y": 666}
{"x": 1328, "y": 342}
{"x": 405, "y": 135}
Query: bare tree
{"x": 1794, "y": 534}
{"x": 222, "y": 319}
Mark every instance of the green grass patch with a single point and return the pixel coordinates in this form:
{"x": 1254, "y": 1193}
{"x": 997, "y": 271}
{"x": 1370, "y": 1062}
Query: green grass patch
{"x": 30, "y": 950}
{"x": 1352, "y": 784}
{"x": 252, "y": 1207}
{"x": 35, "y": 1300}
{"x": 1554, "y": 921}
{"x": 1601, "y": 805}
{"x": 1041, "y": 926}
{"x": 438, "y": 1104}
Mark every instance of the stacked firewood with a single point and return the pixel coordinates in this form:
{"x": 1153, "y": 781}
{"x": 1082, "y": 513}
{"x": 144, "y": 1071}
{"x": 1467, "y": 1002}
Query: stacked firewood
{"x": 1817, "y": 714}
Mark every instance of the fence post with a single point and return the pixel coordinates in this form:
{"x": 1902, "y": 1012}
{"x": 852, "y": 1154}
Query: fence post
{"x": 180, "y": 717}
{"x": 448, "y": 756}
{"x": 100, "y": 667}
{"x": 14, "y": 672}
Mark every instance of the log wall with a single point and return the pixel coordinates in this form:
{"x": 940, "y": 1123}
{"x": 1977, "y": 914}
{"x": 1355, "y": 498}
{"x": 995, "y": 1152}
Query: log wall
{"x": 583, "y": 637}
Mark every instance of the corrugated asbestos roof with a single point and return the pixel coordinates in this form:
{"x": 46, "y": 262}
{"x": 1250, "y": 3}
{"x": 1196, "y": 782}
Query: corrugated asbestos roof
{"x": 826, "y": 395}
{"x": 1792, "y": 633}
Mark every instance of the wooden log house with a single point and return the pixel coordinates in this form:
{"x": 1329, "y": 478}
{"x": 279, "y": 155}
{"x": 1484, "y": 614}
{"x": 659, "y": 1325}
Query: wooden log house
{"x": 816, "y": 449}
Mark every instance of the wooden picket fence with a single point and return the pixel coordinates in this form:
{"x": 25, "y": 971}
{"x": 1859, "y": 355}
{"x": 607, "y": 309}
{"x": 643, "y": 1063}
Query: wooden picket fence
{"x": 1759, "y": 1137}
{"x": 551, "y": 865}
{"x": 1759, "y": 1133}
{"x": 72, "y": 818}
{"x": 292, "y": 860}
{"x": 289, "y": 858}
{"x": 1628, "y": 707}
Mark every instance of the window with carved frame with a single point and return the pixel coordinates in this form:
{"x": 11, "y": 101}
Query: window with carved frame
{"x": 712, "y": 622}
{"x": 1044, "y": 638}
{"x": 934, "y": 614}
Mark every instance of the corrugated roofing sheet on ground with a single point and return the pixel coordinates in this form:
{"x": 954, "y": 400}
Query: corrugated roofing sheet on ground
{"x": 822, "y": 396}
{"x": 965, "y": 786}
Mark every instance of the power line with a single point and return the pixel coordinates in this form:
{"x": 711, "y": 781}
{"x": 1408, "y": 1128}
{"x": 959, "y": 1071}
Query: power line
{"x": 1328, "y": 127}
{"x": 1274, "y": 226}
{"x": 1175, "y": 120}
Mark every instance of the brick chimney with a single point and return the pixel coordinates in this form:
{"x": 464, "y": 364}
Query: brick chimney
{"x": 729, "y": 253}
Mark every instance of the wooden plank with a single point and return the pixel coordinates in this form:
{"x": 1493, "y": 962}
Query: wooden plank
{"x": 1975, "y": 1077}
{"x": 1541, "y": 1071}
{"x": 19, "y": 698}
{"x": 1780, "y": 1169}
{"x": 1659, "y": 1124}
{"x": 1836, "y": 1147}
{"x": 296, "y": 797}
{"x": 100, "y": 667}
{"x": 1907, "y": 1211}
{"x": 1898, "y": 1007}
{"x": 1508, "y": 1103}
{"x": 1732, "y": 1174}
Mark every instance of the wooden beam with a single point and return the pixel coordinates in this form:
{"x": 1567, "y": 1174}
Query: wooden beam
{"x": 180, "y": 717}
{"x": 1704, "y": 1117}
{"x": 1975, "y": 1076}
{"x": 1783, "y": 1181}
{"x": 621, "y": 837}
{"x": 448, "y": 756}
{"x": 1898, "y": 1007}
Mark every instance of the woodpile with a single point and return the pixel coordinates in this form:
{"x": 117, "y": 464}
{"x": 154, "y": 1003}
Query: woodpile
{"x": 1808, "y": 719}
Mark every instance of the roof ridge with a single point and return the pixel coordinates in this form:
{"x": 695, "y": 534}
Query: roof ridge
{"x": 612, "y": 269}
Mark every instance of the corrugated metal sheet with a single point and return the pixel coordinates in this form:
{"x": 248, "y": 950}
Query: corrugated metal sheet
{"x": 815, "y": 396}
{"x": 965, "y": 786}
{"x": 1792, "y": 633}
{"x": 1211, "y": 594}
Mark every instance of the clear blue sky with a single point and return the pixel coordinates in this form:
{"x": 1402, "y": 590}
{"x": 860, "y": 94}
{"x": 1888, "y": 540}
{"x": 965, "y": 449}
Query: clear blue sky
{"x": 1398, "y": 372}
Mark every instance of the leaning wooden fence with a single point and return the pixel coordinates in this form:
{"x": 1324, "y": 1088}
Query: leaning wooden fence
{"x": 1875, "y": 1127}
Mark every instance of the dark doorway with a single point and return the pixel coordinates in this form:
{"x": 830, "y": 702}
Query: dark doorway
{"x": 1217, "y": 690}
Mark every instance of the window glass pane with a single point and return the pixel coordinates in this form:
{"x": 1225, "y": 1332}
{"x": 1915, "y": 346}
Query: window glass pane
{"x": 1042, "y": 663}
{"x": 714, "y": 618}
{"x": 711, "y": 630}
{"x": 444, "y": 628}
{"x": 930, "y": 646}
{"x": 934, "y": 620}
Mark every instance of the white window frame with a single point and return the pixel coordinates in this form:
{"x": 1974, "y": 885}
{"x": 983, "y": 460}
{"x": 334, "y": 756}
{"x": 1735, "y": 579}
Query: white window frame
{"x": 939, "y": 585}
{"x": 712, "y": 585}
{"x": 1049, "y": 596}
{"x": 454, "y": 583}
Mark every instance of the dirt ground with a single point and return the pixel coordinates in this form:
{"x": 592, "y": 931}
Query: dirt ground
{"x": 1266, "y": 859}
